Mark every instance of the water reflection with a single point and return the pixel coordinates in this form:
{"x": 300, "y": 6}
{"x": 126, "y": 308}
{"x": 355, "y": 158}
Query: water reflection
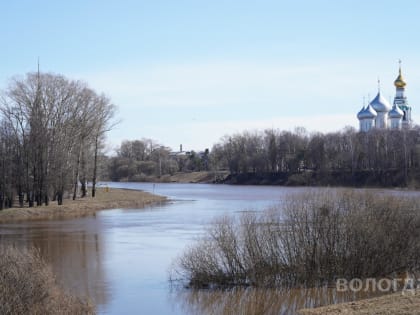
{"x": 75, "y": 255}
{"x": 121, "y": 258}
{"x": 259, "y": 301}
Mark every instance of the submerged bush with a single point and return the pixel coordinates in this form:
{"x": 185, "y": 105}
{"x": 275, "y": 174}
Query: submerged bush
{"x": 27, "y": 286}
{"x": 312, "y": 238}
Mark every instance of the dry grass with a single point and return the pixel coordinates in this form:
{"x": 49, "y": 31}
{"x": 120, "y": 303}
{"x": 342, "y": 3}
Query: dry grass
{"x": 198, "y": 177}
{"x": 189, "y": 177}
{"x": 27, "y": 286}
{"x": 393, "y": 304}
{"x": 114, "y": 198}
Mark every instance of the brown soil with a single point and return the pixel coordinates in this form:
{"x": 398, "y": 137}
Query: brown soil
{"x": 392, "y": 304}
{"x": 195, "y": 177}
{"x": 105, "y": 199}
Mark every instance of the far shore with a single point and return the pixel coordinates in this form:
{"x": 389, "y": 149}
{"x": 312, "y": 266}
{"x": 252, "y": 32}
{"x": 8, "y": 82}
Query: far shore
{"x": 201, "y": 177}
{"x": 308, "y": 178}
{"x": 105, "y": 199}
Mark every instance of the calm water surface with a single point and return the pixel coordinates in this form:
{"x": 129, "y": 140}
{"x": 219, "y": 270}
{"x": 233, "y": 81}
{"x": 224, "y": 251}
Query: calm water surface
{"x": 121, "y": 258}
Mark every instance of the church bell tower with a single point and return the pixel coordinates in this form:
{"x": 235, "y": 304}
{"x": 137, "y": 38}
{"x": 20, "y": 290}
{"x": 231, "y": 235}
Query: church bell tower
{"x": 400, "y": 99}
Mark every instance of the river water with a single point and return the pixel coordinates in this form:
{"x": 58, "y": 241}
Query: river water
{"x": 121, "y": 258}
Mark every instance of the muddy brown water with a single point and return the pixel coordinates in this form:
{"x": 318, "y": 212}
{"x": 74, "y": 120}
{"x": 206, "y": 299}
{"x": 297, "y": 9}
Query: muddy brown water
{"x": 121, "y": 258}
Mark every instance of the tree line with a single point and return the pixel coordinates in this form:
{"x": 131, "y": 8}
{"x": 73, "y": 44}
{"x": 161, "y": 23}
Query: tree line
{"x": 305, "y": 155}
{"x": 345, "y": 157}
{"x": 51, "y": 133}
{"x": 146, "y": 159}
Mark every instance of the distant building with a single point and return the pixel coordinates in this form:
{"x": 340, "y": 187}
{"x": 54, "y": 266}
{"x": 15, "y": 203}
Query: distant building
{"x": 180, "y": 153}
{"x": 379, "y": 114}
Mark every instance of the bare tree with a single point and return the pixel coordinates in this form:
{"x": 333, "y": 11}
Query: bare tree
{"x": 52, "y": 124}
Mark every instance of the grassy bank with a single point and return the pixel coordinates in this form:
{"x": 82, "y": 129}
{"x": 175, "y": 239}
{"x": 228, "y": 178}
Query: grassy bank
{"x": 194, "y": 177}
{"x": 204, "y": 177}
{"x": 28, "y": 286}
{"x": 105, "y": 199}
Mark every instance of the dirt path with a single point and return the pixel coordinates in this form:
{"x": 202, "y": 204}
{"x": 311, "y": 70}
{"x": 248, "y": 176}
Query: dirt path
{"x": 105, "y": 199}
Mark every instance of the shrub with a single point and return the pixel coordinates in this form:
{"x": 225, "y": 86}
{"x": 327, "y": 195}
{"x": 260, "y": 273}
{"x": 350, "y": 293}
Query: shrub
{"x": 27, "y": 286}
{"x": 312, "y": 238}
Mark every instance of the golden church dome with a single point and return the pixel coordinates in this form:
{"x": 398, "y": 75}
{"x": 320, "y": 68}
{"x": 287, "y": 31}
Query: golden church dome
{"x": 399, "y": 81}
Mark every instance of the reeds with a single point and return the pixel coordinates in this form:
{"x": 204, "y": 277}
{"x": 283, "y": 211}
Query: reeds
{"x": 27, "y": 286}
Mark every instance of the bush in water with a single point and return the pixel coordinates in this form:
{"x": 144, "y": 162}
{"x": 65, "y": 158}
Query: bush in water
{"x": 312, "y": 238}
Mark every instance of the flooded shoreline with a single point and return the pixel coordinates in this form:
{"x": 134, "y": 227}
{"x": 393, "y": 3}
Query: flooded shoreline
{"x": 105, "y": 199}
{"x": 121, "y": 258}
{"x": 262, "y": 300}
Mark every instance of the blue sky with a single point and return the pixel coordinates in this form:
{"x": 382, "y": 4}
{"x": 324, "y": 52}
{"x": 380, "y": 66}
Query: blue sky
{"x": 191, "y": 71}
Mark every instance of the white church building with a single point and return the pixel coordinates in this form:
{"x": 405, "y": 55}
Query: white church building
{"x": 380, "y": 114}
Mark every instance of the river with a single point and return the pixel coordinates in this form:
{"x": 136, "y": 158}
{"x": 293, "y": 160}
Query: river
{"x": 121, "y": 258}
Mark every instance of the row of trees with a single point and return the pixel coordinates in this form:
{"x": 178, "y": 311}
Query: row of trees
{"x": 344, "y": 151}
{"x": 141, "y": 160}
{"x": 51, "y": 133}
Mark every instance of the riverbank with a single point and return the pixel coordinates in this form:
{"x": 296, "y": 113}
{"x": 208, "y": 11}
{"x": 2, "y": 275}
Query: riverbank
{"x": 391, "y": 304}
{"x": 356, "y": 179}
{"x": 188, "y": 177}
{"x": 308, "y": 178}
{"x": 202, "y": 177}
{"x": 105, "y": 199}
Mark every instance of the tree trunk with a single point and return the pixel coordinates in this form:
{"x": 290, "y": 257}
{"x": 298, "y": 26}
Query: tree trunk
{"x": 10, "y": 200}
{"x": 83, "y": 188}
{"x": 39, "y": 199}
{"x": 95, "y": 162}
{"x": 21, "y": 197}
{"x": 76, "y": 178}
{"x": 30, "y": 199}
{"x": 60, "y": 198}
